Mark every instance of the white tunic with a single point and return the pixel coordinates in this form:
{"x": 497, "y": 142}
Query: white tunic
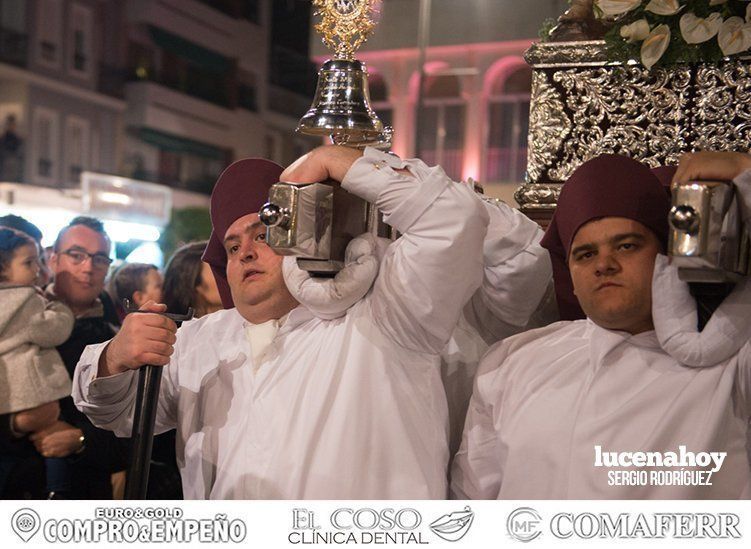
{"x": 516, "y": 275}
{"x": 348, "y": 408}
{"x": 544, "y": 399}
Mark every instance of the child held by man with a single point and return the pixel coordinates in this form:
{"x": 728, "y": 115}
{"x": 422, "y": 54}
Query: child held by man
{"x": 32, "y": 375}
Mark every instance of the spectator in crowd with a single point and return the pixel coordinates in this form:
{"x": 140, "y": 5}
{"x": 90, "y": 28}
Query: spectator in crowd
{"x": 20, "y": 224}
{"x": 140, "y": 283}
{"x": 32, "y": 375}
{"x": 189, "y": 282}
{"x": 136, "y": 282}
{"x": 79, "y": 261}
{"x": 11, "y": 152}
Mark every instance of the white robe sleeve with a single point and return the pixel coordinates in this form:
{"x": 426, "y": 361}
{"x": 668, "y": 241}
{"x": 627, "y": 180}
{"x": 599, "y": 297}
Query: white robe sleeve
{"x": 517, "y": 273}
{"x": 109, "y": 402}
{"x": 477, "y": 470}
{"x": 431, "y": 271}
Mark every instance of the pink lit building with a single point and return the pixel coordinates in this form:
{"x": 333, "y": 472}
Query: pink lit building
{"x": 475, "y": 106}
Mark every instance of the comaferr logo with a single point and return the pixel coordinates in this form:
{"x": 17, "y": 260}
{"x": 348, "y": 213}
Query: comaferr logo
{"x": 524, "y": 524}
{"x": 640, "y": 525}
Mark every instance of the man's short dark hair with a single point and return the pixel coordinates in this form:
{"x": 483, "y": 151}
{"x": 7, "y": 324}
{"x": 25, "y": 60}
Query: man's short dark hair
{"x": 21, "y": 224}
{"x": 91, "y": 222}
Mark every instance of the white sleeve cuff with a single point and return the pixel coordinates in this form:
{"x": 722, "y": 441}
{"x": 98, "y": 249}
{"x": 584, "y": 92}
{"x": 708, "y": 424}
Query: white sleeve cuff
{"x": 371, "y": 173}
{"x": 103, "y": 389}
{"x": 402, "y": 199}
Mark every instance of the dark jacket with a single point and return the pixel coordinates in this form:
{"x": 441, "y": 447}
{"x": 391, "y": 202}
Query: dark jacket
{"x": 103, "y": 453}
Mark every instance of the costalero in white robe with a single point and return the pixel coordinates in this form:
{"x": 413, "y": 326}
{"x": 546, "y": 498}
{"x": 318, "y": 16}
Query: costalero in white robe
{"x": 348, "y": 408}
{"x": 544, "y": 399}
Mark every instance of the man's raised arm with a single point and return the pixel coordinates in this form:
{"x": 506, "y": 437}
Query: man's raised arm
{"x": 429, "y": 274}
{"x": 517, "y": 274}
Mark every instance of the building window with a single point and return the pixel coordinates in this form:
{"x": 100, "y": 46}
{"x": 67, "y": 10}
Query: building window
{"x": 188, "y": 68}
{"x": 440, "y": 126}
{"x": 247, "y": 91}
{"x": 13, "y": 38}
{"x": 80, "y": 40}
{"x": 49, "y": 32}
{"x": 77, "y": 132}
{"x": 508, "y": 119}
{"x": 45, "y": 136}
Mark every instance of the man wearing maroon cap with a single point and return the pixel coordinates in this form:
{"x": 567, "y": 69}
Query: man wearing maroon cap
{"x": 270, "y": 401}
{"x": 608, "y": 407}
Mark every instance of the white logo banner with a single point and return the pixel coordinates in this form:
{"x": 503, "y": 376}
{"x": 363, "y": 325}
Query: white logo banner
{"x": 472, "y": 524}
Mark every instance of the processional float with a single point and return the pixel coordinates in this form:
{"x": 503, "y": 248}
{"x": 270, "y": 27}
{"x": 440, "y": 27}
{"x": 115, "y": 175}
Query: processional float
{"x": 584, "y": 104}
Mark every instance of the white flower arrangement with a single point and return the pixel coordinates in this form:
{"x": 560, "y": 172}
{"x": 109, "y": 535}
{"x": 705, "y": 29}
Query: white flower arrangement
{"x": 663, "y": 32}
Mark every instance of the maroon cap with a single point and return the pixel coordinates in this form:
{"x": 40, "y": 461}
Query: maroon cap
{"x": 665, "y": 175}
{"x": 241, "y": 190}
{"x": 606, "y": 186}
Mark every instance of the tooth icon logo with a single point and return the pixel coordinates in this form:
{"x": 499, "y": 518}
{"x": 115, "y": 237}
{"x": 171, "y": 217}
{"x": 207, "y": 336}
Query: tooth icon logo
{"x": 25, "y": 523}
{"x": 454, "y": 526}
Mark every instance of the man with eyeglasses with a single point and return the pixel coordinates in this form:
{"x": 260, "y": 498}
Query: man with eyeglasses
{"x": 80, "y": 261}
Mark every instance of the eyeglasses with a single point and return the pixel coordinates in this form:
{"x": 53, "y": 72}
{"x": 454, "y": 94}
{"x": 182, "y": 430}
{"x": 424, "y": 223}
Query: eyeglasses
{"x": 98, "y": 260}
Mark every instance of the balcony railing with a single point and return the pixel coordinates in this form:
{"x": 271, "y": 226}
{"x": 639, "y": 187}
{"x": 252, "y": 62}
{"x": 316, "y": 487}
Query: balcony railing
{"x": 13, "y": 47}
{"x": 11, "y": 166}
{"x": 201, "y": 85}
{"x": 197, "y": 84}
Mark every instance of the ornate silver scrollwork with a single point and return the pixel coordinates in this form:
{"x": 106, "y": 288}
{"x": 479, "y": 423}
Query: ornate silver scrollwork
{"x": 569, "y": 54}
{"x": 538, "y": 196}
{"x": 583, "y": 106}
{"x": 549, "y": 126}
{"x": 723, "y": 106}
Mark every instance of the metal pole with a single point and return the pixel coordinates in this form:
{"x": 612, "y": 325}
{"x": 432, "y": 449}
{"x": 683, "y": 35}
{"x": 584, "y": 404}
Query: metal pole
{"x": 142, "y": 438}
{"x": 423, "y": 36}
{"x": 144, "y": 418}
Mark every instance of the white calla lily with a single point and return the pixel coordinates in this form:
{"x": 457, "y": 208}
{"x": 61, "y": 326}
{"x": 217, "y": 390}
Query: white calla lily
{"x": 696, "y": 30}
{"x": 611, "y": 8}
{"x": 636, "y": 31}
{"x": 655, "y": 45}
{"x": 734, "y": 36}
{"x": 664, "y": 7}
